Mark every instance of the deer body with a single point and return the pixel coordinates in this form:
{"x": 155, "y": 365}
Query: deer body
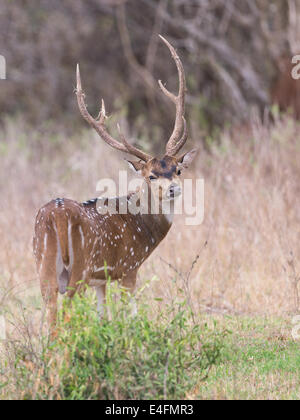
{"x": 115, "y": 244}
{"x": 75, "y": 244}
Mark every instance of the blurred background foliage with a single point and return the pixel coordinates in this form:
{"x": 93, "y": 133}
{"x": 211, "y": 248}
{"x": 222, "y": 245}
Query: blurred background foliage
{"x": 236, "y": 56}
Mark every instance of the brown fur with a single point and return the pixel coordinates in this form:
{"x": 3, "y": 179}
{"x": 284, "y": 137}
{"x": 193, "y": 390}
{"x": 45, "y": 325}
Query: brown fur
{"x": 94, "y": 246}
{"x": 74, "y": 242}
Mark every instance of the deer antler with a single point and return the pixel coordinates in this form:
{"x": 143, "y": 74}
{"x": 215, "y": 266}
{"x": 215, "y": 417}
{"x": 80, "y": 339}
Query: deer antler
{"x": 175, "y": 143}
{"x": 99, "y": 126}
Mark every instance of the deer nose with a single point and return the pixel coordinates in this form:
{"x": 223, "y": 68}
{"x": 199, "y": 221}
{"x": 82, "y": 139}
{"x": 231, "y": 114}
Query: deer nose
{"x": 174, "y": 190}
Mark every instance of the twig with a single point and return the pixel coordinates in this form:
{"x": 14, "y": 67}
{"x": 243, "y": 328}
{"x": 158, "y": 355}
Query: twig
{"x": 144, "y": 74}
{"x": 142, "y": 71}
{"x": 153, "y": 43}
{"x": 166, "y": 376}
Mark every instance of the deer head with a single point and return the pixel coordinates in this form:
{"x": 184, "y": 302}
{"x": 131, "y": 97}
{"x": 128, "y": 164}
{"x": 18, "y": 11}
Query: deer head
{"x": 160, "y": 174}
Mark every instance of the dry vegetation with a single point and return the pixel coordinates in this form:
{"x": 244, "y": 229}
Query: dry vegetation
{"x": 247, "y": 248}
{"x": 247, "y": 245}
{"x": 240, "y": 266}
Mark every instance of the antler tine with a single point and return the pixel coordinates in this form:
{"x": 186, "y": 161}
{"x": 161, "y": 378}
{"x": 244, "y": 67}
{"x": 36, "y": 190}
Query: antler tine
{"x": 133, "y": 150}
{"x": 173, "y": 146}
{"x": 99, "y": 126}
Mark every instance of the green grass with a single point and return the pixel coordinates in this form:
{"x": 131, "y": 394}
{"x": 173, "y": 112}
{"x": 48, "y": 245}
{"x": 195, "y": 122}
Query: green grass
{"x": 154, "y": 355}
{"x": 163, "y": 352}
{"x": 259, "y": 360}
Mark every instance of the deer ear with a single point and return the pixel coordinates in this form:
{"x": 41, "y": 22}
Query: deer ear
{"x": 135, "y": 166}
{"x": 185, "y": 160}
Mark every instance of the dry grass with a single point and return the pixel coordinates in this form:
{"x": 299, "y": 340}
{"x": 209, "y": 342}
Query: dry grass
{"x": 251, "y": 224}
{"x": 248, "y": 244}
{"x": 252, "y": 200}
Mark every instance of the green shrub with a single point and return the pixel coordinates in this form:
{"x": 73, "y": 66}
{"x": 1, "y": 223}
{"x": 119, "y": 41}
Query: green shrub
{"x": 139, "y": 357}
{"x": 154, "y": 355}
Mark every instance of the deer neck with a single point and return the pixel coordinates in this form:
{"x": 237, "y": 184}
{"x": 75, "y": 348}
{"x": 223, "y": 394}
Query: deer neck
{"x": 158, "y": 222}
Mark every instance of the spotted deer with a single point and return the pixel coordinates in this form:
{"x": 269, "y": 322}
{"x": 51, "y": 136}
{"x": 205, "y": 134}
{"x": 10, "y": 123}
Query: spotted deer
{"x": 75, "y": 244}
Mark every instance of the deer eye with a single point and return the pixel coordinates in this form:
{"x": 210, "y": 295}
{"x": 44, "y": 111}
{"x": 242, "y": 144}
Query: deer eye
{"x": 151, "y": 177}
{"x": 179, "y": 172}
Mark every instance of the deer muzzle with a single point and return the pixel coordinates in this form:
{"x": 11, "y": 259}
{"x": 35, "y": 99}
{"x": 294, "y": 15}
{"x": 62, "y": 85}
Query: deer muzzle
{"x": 174, "y": 191}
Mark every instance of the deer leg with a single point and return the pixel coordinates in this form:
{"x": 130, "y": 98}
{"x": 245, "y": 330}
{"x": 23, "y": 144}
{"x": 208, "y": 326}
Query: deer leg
{"x": 78, "y": 275}
{"x": 134, "y": 307}
{"x": 129, "y": 283}
{"x": 46, "y": 269}
{"x": 100, "y": 292}
{"x": 49, "y": 290}
{"x": 76, "y": 284}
